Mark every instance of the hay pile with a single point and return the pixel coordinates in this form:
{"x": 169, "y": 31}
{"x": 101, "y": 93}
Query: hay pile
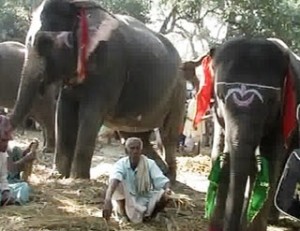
{"x": 76, "y": 205}
{"x": 199, "y": 164}
{"x": 57, "y": 205}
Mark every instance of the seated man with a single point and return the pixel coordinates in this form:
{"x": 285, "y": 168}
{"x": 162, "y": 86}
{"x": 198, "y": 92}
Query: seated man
{"x": 137, "y": 185}
{"x": 13, "y": 190}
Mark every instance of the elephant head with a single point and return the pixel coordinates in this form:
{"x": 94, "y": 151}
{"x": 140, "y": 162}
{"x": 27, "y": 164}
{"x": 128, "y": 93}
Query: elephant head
{"x": 254, "y": 83}
{"x": 60, "y": 43}
{"x": 189, "y": 69}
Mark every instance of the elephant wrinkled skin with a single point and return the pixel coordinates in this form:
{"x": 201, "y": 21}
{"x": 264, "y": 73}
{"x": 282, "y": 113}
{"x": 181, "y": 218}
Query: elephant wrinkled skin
{"x": 12, "y": 56}
{"x": 114, "y": 70}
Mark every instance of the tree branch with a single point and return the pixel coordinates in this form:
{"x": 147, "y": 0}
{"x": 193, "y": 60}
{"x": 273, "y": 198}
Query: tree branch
{"x": 172, "y": 16}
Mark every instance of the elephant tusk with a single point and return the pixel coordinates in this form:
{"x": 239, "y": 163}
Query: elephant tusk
{"x": 258, "y": 162}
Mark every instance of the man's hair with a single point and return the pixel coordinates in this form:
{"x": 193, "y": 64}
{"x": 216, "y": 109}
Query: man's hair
{"x": 131, "y": 140}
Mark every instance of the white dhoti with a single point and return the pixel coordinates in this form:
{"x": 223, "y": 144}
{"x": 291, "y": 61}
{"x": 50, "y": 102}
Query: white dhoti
{"x": 137, "y": 207}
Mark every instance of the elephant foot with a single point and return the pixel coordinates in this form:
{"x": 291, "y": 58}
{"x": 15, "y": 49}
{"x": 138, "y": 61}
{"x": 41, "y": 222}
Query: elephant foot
{"x": 62, "y": 166}
{"x": 80, "y": 176}
{"x": 80, "y": 173}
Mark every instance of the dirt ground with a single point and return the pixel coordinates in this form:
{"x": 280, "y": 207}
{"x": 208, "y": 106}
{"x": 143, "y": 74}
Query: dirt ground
{"x": 76, "y": 204}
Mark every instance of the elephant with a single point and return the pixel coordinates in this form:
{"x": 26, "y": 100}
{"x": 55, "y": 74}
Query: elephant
{"x": 12, "y": 56}
{"x": 113, "y": 70}
{"x": 255, "y": 90}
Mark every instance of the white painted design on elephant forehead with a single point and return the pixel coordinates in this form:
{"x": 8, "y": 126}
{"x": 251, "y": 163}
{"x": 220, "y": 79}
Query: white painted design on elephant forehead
{"x": 242, "y": 96}
{"x": 102, "y": 32}
{"x": 249, "y": 85}
{"x": 35, "y": 26}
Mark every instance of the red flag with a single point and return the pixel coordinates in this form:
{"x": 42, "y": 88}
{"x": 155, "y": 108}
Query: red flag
{"x": 205, "y": 91}
{"x": 289, "y": 108}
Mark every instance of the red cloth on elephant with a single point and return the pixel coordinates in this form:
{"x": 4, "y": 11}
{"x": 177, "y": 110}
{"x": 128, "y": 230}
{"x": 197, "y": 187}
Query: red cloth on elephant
{"x": 289, "y": 107}
{"x": 205, "y": 92}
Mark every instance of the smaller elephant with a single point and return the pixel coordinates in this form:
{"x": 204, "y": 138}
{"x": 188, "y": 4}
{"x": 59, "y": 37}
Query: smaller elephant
{"x": 255, "y": 86}
{"x": 12, "y": 56}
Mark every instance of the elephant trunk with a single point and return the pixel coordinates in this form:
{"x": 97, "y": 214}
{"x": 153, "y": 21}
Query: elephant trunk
{"x": 31, "y": 79}
{"x": 242, "y": 145}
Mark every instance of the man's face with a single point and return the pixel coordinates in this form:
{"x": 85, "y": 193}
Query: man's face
{"x": 134, "y": 152}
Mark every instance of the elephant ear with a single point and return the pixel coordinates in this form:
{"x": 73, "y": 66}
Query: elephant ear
{"x": 292, "y": 105}
{"x": 95, "y": 25}
{"x": 289, "y": 90}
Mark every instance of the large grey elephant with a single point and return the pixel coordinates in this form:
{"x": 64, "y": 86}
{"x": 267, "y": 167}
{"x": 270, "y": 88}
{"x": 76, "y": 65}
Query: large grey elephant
{"x": 256, "y": 84}
{"x": 12, "y": 56}
{"x": 113, "y": 69}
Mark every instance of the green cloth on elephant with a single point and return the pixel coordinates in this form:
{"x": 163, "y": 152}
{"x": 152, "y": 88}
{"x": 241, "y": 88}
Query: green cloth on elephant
{"x": 214, "y": 178}
{"x": 260, "y": 191}
{"x": 258, "y": 196}
{"x": 19, "y": 188}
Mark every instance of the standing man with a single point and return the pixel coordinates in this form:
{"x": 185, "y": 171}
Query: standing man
{"x": 137, "y": 185}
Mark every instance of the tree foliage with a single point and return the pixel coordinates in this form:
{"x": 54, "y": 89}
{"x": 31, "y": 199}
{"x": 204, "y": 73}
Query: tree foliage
{"x": 255, "y": 18}
{"x": 14, "y": 20}
{"x": 15, "y": 14}
{"x": 136, "y": 8}
{"x": 268, "y": 18}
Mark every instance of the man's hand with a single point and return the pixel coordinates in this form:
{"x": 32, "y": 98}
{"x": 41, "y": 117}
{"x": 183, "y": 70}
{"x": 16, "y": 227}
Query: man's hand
{"x": 30, "y": 156}
{"x": 7, "y": 198}
{"x": 107, "y": 209}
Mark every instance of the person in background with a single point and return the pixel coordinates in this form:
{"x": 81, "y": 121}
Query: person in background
{"x": 137, "y": 185}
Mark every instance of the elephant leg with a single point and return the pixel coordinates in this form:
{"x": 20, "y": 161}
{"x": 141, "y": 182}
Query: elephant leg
{"x": 271, "y": 148}
{"x": 66, "y": 127}
{"x": 171, "y": 130}
{"x": 216, "y": 221}
{"x": 89, "y": 123}
{"x": 48, "y": 128}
